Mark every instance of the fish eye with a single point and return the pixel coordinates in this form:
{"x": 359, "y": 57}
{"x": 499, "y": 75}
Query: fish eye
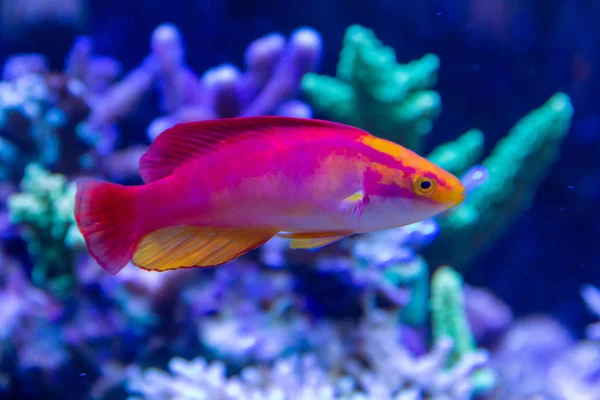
{"x": 423, "y": 185}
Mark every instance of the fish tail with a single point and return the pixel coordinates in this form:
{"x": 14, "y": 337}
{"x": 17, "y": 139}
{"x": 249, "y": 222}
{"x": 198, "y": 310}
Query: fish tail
{"x": 106, "y": 216}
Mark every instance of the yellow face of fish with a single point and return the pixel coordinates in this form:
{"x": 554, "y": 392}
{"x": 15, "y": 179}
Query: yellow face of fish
{"x": 437, "y": 185}
{"x": 408, "y": 187}
{"x": 425, "y": 190}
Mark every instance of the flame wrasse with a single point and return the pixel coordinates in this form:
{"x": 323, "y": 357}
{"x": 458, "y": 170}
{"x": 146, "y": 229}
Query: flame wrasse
{"x": 215, "y": 190}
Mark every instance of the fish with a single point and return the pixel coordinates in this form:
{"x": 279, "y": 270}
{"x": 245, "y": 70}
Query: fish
{"x": 214, "y": 190}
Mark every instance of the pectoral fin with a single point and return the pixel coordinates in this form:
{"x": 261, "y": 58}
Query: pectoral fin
{"x": 311, "y": 240}
{"x": 353, "y": 205}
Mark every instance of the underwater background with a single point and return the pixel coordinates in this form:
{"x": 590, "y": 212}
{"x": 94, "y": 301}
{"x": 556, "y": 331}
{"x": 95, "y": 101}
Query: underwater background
{"x": 496, "y": 299}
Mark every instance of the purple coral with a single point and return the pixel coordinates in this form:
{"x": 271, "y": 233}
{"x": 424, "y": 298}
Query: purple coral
{"x": 274, "y": 69}
{"x": 525, "y": 355}
{"x": 591, "y": 296}
{"x": 393, "y": 373}
{"x": 95, "y": 99}
{"x": 576, "y": 375}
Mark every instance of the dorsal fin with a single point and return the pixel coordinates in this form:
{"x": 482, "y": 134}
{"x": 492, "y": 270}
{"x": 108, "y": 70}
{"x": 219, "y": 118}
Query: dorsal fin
{"x": 184, "y": 142}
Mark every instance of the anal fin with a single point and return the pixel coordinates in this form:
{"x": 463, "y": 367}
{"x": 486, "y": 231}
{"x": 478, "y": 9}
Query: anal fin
{"x": 192, "y": 246}
{"x": 311, "y": 240}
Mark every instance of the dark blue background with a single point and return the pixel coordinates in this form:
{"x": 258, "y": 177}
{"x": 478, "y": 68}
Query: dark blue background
{"x": 497, "y": 65}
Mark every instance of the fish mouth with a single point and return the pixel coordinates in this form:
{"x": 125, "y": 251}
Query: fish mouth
{"x": 461, "y": 197}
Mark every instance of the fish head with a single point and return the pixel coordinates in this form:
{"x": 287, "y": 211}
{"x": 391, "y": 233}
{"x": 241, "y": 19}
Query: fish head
{"x": 405, "y": 187}
{"x": 414, "y": 189}
{"x": 437, "y": 189}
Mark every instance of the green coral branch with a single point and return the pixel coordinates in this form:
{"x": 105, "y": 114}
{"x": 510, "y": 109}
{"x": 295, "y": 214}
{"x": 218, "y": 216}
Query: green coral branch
{"x": 449, "y": 320}
{"x": 396, "y": 101}
{"x": 44, "y": 209}
{"x": 373, "y": 91}
{"x": 461, "y": 154}
{"x": 413, "y": 275}
{"x": 516, "y": 168}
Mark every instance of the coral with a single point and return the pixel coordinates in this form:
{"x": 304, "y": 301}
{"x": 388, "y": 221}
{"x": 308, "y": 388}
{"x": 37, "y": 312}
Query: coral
{"x": 71, "y": 117}
{"x": 459, "y": 155}
{"x": 488, "y": 316}
{"x": 416, "y": 276}
{"x": 576, "y": 374}
{"x": 27, "y": 105}
{"x": 393, "y": 373}
{"x": 525, "y": 355}
{"x": 394, "y": 253}
{"x": 346, "y": 322}
{"x": 69, "y": 124}
{"x": 44, "y": 209}
{"x": 515, "y": 168}
{"x": 449, "y": 321}
{"x": 591, "y": 296}
{"x": 395, "y": 101}
{"x": 248, "y": 315}
{"x": 539, "y": 357}
{"x": 29, "y": 333}
{"x": 372, "y": 91}
{"x": 274, "y": 69}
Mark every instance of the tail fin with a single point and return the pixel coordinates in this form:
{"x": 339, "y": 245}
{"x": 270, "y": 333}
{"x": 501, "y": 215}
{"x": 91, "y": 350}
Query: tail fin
{"x": 105, "y": 214}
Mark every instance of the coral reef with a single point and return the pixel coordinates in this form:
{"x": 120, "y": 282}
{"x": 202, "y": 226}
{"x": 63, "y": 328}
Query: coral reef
{"x": 449, "y": 320}
{"x": 347, "y": 322}
{"x": 515, "y": 168}
{"x": 394, "y": 374}
{"x": 30, "y": 103}
{"x": 80, "y": 107}
{"x": 44, "y": 210}
{"x": 71, "y": 118}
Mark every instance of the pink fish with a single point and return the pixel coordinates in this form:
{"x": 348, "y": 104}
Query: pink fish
{"x": 217, "y": 189}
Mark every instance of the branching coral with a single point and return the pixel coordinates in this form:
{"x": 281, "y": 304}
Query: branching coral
{"x": 72, "y": 115}
{"x": 373, "y": 365}
{"x": 539, "y": 358}
{"x": 516, "y": 168}
{"x": 395, "y": 101}
{"x": 393, "y": 374}
{"x": 449, "y": 321}
{"x": 459, "y": 155}
{"x": 30, "y": 124}
{"x": 372, "y": 91}
{"x": 274, "y": 69}
{"x": 70, "y": 118}
{"x": 62, "y": 119}
{"x": 393, "y": 255}
{"x": 247, "y": 316}
{"x": 44, "y": 209}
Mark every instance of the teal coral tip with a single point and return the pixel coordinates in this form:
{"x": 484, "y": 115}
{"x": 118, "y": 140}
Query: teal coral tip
{"x": 44, "y": 208}
{"x": 415, "y": 276}
{"x": 447, "y": 312}
{"x": 449, "y": 320}
{"x": 459, "y": 155}
{"x": 374, "y": 92}
{"x": 516, "y": 167}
